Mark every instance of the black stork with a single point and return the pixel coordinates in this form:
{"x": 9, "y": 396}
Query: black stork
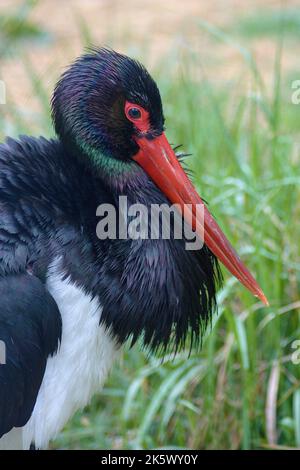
{"x": 69, "y": 300}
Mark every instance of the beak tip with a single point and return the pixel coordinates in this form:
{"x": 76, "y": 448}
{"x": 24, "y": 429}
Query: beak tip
{"x": 263, "y": 298}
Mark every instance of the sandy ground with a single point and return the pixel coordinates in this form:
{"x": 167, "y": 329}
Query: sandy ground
{"x": 143, "y": 28}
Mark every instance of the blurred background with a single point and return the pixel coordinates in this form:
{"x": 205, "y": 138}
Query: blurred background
{"x": 228, "y": 72}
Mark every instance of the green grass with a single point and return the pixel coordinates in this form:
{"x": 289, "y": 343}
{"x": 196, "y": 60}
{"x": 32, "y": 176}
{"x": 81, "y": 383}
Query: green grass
{"x": 269, "y": 23}
{"x": 242, "y": 389}
{"x": 16, "y": 28}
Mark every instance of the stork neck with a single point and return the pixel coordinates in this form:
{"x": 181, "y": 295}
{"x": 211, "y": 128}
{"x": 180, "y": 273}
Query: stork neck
{"x": 118, "y": 174}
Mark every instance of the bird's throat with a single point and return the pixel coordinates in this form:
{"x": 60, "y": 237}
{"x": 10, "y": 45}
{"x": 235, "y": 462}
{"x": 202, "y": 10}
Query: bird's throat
{"x": 117, "y": 173}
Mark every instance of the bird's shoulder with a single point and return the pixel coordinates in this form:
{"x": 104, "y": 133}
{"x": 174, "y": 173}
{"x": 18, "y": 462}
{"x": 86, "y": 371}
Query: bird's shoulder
{"x": 45, "y": 173}
{"x": 35, "y": 167}
{"x": 46, "y": 199}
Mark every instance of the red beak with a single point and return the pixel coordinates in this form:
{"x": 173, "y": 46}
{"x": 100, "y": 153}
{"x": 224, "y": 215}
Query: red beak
{"x": 159, "y": 161}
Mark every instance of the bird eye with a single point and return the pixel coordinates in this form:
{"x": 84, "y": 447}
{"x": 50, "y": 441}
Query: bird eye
{"x": 134, "y": 113}
{"x": 138, "y": 116}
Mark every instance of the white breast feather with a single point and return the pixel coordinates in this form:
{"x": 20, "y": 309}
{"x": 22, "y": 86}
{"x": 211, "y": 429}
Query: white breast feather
{"x": 79, "y": 368}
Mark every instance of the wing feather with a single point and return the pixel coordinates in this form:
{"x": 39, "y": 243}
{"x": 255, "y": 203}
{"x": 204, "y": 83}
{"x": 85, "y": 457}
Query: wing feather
{"x": 30, "y": 329}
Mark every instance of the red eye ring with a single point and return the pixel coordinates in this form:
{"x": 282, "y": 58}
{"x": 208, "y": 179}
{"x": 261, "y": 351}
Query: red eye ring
{"x": 138, "y": 116}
